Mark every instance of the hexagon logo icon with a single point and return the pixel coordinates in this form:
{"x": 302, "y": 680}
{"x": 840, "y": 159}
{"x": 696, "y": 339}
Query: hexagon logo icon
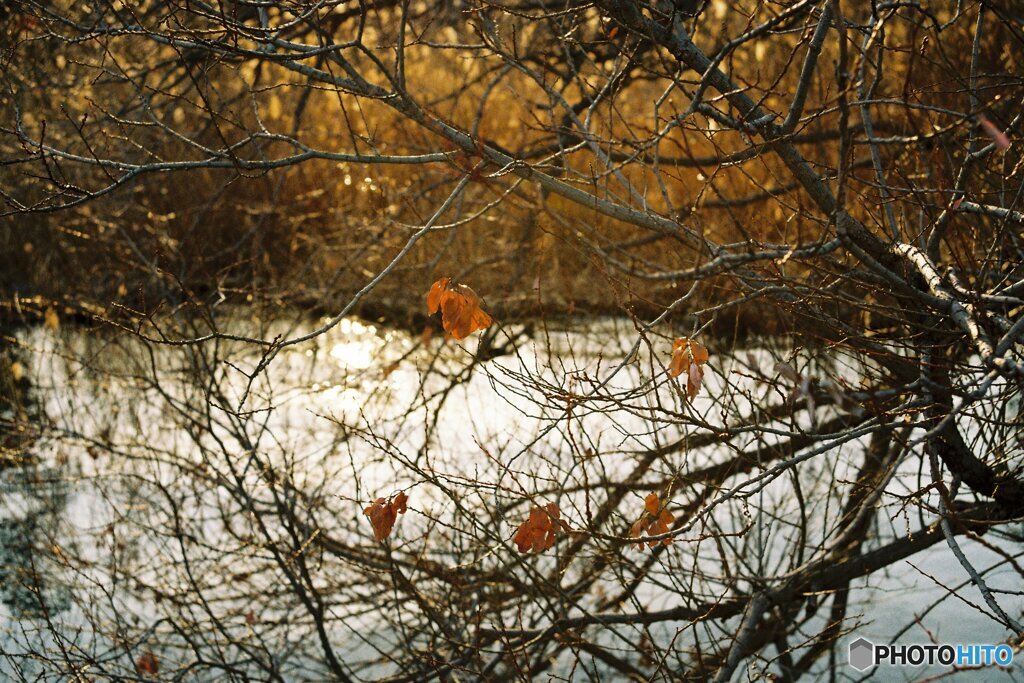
{"x": 862, "y": 654}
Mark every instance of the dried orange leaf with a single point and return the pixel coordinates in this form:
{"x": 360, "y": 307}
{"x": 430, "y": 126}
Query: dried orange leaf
{"x": 654, "y": 520}
{"x": 652, "y": 504}
{"x": 677, "y": 364}
{"x": 537, "y": 533}
{"x": 461, "y": 314}
{"x": 453, "y": 311}
{"x": 383, "y": 513}
{"x": 687, "y": 357}
{"x": 434, "y": 296}
{"x": 147, "y": 664}
{"x": 661, "y": 525}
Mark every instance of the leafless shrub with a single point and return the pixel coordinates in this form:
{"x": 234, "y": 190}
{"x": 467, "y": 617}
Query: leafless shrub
{"x": 824, "y": 194}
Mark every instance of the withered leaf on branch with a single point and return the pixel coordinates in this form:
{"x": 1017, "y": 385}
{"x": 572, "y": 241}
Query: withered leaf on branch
{"x": 655, "y": 520}
{"x": 537, "y": 533}
{"x": 147, "y": 664}
{"x": 688, "y": 357}
{"x": 383, "y": 513}
{"x": 461, "y": 314}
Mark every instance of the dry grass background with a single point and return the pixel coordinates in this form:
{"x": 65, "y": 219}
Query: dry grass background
{"x": 313, "y": 234}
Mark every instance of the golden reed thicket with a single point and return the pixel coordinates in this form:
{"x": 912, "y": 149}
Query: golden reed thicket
{"x": 313, "y": 233}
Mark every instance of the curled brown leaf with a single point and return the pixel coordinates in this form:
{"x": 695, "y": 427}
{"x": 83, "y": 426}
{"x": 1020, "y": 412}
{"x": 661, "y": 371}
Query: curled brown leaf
{"x": 461, "y": 314}
{"x": 688, "y": 357}
{"x": 383, "y": 513}
{"x": 538, "y": 532}
{"x": 655, "y": 520}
